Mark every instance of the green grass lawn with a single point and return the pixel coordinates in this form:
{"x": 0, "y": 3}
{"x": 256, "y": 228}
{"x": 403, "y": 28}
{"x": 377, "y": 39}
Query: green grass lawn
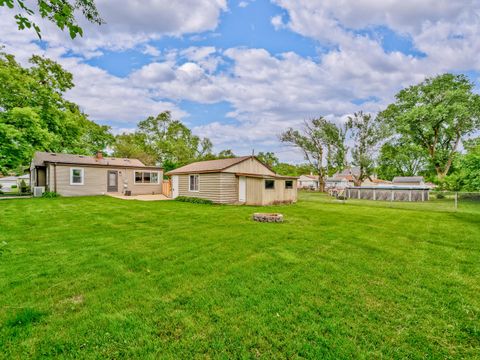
{"x": 98, "y": 277}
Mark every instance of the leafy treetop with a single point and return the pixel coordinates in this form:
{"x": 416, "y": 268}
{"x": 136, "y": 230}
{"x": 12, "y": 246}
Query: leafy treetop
{"x": 60, "y": 12}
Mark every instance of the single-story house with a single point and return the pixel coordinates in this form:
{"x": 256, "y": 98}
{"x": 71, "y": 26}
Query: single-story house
{"x": 308, "y": 182}
{"x": 8, "y": 181}
{"x": 408, "y": 181}
{"x": 338, "y": 181}
{"x": 240, "y": 180}
{"x": 78, "y": 175}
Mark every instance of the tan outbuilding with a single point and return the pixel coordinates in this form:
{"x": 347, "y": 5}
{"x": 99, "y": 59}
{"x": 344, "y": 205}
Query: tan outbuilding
{"x": 79, "y": 175}
{"x": 240, "y": 180}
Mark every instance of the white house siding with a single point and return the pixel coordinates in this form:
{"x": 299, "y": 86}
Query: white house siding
{"x": 208, "y": 187}
{"x": 221, "y": 188}
{"x": 229, "y": 188}
{"x": 95, "y": 181}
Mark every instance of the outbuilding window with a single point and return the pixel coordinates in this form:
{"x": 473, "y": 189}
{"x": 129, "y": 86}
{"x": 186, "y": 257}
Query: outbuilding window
{"x": 269, "y": 184}
{"x": 288, "y": 184}
{"x": 146, "y": 177}
{"x": 76, "y": 176}
{"x": 193, "y": 183}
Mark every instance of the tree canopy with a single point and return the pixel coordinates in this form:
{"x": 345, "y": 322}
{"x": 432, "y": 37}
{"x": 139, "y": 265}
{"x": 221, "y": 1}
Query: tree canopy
{"x": 60, "y": 12}
{"x": 436, "y": 115}
{"x": 34, "y": 115}
{"x": 400, "y": 159}
{"x": 163, "y": 140}
{"x": 318, "y": 138}
{"x": 366, "y": 133}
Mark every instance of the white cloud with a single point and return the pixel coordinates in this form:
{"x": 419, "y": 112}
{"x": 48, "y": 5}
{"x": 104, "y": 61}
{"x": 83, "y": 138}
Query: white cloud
{"x": 151, "y": 50}
{"x": 267, "y": 92}
{"x": 130, "y": 23}
{"x": 277, "y": 22}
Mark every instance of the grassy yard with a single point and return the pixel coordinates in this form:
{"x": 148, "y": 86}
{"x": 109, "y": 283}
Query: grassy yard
{"x": 98, "y": 277}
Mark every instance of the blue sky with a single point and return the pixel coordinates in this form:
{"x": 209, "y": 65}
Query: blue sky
{"x": 240, "y": 72}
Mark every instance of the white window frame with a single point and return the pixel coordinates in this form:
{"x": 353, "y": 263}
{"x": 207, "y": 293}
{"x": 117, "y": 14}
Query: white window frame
{"x": 198, "y": 183}
{"x": 82, "y": 172}
{"x": 146, "y": 171}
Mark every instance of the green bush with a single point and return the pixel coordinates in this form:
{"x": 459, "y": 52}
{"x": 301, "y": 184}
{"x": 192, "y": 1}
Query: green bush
{"x": 440, "y": 196}
{"x": 194, "y": 200}
{"x": 50, "y": 194}
{"x": 24, "y": 188}
{"x": 469, "y": 196}
{"x": 13, "y": 187}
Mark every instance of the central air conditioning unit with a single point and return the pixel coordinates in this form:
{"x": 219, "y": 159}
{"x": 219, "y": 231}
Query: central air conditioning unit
{"x": 38, "y": 191}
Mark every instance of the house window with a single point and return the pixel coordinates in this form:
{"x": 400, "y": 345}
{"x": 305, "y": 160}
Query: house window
{"x": 146, "y": 177}
{"x": 76, "y": 176}
{"x": 269, "y": 184}
{"x": 193, "y": 183}
{"x": 288, "y": 184}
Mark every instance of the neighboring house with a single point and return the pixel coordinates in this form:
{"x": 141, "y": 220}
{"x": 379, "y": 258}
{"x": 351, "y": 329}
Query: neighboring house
{"x": 408, "y": 181}
{"x": 77, "y": 175}
{"x": 308, "y": 182}
{"x": 338, "y": 181}
{"x": 375, "y": 182}
{"x": 241, "y": 180}
{"x": 9, "y": 181}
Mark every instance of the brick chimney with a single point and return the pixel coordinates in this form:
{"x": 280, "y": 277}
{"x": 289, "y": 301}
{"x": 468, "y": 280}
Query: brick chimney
{"x": 99, "y": 155}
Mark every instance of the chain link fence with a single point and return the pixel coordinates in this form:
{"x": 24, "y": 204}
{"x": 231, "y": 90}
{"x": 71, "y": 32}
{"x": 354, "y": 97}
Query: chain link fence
{"x": 435, "y": 201}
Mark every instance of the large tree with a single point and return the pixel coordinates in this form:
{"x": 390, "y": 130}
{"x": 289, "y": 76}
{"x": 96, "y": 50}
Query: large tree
{"x": 134, "y": 146}
{"x": 61, "y": 12}
{"x": 466, "y": 176}
{"x": 366, "y": 133}
{"x": 436, "y": 114}
{"x": 268, "y": 158}
{"x": 163, "y": 140}
{"x": 400, "y": 159}
{"x": 34, "y": 116}
{"x": 313, "y": 141}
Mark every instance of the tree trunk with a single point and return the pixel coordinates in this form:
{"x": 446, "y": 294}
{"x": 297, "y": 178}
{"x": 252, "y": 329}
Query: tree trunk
{"x": 321, "y": 184}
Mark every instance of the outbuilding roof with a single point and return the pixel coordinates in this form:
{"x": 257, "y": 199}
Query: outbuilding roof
{"x": 208, "y": 166}
{"x": 40, "y": 158}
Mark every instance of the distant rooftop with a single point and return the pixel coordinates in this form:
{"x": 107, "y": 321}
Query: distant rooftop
{"x": 408, "y": 179}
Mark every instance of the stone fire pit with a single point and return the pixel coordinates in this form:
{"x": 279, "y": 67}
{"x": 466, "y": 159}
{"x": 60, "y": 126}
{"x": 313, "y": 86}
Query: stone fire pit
{"x": 267, "y": 217}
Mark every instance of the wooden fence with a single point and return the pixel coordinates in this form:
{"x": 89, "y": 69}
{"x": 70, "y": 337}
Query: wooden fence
{"x": 167, "y": 188}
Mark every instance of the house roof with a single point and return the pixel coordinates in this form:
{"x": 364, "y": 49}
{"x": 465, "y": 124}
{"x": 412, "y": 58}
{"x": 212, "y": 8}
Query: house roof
{"x": 208, "y": 166}
{"x": 40, "y": 158}
{"x": 276, "y": 176}
{"x": 380, "y": 181}
{"x": 348, "y": 171}
{"x": 408, "y": 179}
{"x": 311, "y": 177}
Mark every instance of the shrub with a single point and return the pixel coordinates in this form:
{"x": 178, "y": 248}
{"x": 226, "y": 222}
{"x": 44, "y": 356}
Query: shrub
{"x": 50, "y": 194}
{"x": 194, "y": 200}
{"x": 13, "y": 186}
{"x": 469, "y": 196}
{"x": 282, "y": 202}
{"x": 440, "y": 196}
{"x": 23, "y": 187}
